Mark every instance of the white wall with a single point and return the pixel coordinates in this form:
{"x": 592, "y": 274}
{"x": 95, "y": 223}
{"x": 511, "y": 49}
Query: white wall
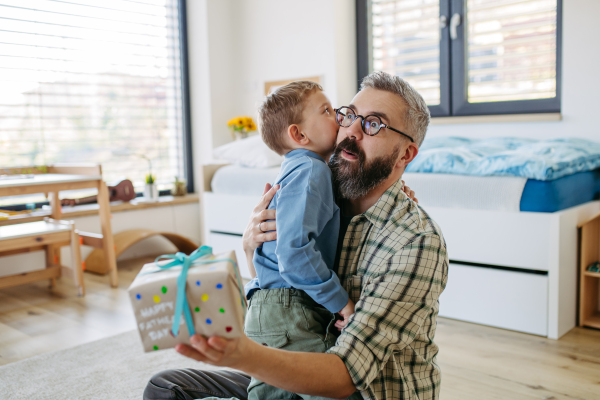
{"x": 212, "y": 31}
{"x": 199, "y": 82}
{"x": 286, "y": 39}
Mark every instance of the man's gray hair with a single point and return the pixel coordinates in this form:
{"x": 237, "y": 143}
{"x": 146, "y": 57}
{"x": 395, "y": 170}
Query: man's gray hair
{"x": 417, "y": 114}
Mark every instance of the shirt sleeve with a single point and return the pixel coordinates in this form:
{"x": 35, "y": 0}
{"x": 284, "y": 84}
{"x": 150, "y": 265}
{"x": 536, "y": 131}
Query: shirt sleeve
{"x": 393, "y": 308}
{"x": 302, "y": 211}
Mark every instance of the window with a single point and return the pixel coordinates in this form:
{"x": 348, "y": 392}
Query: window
{"x": 467, "y": 57}
{"x": 102, "y": 82}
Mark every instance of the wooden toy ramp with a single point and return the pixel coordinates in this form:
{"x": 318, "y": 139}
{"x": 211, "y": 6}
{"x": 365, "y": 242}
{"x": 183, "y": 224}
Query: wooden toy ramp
{"x": 124, "y": 240}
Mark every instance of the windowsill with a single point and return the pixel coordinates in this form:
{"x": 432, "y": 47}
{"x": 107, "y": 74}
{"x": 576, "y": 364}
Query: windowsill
{"x": 92, "y": 209}
{"x": 483, "y": 119}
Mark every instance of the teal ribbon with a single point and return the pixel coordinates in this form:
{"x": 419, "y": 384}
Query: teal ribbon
{"x": 181, "y": 304}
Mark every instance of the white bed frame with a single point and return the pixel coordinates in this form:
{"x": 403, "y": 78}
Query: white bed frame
{"x": 512, "y": 270}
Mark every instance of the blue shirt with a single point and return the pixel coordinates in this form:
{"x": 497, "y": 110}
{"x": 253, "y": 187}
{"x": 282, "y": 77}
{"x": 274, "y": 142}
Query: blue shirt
{"x": 308, "y": 222}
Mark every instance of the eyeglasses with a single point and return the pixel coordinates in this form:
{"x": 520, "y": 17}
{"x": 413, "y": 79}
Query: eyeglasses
{"x": 371, "y": 124}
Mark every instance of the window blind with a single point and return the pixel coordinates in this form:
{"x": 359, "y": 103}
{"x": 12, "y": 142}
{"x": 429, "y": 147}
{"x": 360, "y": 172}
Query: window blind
{"x": 512, "y": 50}
{"x": 406, "y": 42}
{"x": 90, "y": 81}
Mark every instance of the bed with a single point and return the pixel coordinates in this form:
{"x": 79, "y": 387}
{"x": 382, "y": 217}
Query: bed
{"x": 510, "y": 224}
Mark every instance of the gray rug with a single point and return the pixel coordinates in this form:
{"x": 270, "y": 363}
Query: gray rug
{"x": 111, "y": 368}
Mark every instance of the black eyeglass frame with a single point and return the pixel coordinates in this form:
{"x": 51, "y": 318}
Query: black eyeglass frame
{"x": 362, "y": 122}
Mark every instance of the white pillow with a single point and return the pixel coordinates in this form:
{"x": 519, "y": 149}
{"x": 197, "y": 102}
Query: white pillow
{"x": 251, "y": 152}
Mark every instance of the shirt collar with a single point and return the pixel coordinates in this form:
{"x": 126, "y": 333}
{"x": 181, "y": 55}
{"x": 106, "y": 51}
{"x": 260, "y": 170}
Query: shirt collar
{"x": 302, "y": 152}
{"x": 381, "y": 211}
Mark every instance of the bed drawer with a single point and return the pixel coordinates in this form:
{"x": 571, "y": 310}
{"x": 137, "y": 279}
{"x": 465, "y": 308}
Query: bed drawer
{"x": 222, "y": 242}
{"x": 512, "y": 239}
{"x": 505, "y": 299}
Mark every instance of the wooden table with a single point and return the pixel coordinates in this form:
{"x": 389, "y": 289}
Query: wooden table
{"x": 61, "y": 178}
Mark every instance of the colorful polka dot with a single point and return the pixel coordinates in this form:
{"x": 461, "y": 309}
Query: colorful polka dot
{"x": 155, "y": 347}
{"x": 156, "y": 299}
{"x": 228, "y": 329}
{"x": 138, "y": 296}
{"x": 219, "y": 286}
{"x": 208, "y": 321}
{"x": 204, "y": 297}
{"x": 197, "y": 309}
{"x": 164, "y": 289}
{"x": 197, "y": 283}
{"x": 222, "y": 310}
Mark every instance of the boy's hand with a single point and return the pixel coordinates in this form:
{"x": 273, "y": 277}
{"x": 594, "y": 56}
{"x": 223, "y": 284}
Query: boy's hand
{"x": 345, "y": 312}
{"x": 410, "y": 193}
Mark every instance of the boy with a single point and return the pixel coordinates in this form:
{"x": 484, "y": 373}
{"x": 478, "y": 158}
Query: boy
{"x": 295, "y": 293}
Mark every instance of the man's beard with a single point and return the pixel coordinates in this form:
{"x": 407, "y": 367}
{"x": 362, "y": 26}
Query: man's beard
{"x": 355, "y": 179}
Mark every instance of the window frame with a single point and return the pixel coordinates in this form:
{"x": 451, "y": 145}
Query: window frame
{"x": 453, "y": 75}
{"x": 188, "y": 160}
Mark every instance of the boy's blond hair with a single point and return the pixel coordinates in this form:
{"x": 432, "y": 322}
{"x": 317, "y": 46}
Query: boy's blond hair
{"x": 281, "y": 109}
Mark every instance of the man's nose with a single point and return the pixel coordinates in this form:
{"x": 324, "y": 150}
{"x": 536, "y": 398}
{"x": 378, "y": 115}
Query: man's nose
{"x": 354, "y": 131}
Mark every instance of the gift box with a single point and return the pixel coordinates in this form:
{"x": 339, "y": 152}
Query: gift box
{"x": 179, "y": 295}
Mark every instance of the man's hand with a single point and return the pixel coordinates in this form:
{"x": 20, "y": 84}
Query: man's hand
{"x": 410, "y": 193}
{"x": 217, "y": 350}
{"x": 259, "y": 228}
{"x": 345, "y": 312}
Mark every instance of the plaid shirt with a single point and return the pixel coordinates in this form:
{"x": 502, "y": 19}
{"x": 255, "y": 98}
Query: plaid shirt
{"x": 394, "y": 266}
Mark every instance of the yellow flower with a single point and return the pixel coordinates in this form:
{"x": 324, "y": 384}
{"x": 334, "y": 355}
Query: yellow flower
{"x": 242, "y": 123}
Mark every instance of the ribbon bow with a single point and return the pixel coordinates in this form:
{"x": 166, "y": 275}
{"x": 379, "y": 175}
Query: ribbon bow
{"x": 181, "y": 304}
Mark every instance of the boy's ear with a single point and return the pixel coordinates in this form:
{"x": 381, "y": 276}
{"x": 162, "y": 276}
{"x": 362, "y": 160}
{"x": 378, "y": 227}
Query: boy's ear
{"x": 297, "y": 136}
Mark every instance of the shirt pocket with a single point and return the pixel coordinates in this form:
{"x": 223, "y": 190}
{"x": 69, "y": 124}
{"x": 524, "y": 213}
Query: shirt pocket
{"x": 353, "y": 285}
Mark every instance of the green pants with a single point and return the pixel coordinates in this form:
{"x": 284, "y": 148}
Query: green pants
{"x": 287, "y": 319}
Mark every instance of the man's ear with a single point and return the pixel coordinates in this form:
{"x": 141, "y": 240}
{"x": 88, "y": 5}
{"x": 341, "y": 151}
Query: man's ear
{"x": 409, "y": 154}
{"x": 297, "y": 136}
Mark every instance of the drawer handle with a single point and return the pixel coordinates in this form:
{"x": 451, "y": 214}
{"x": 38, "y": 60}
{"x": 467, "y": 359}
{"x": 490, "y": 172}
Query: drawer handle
{"x": 39, "y": 239}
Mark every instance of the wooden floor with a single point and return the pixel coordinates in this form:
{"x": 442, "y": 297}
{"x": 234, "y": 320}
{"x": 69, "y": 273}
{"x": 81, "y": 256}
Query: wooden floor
{"x": 35, "y": 319}
{"x": 477, "y": 362}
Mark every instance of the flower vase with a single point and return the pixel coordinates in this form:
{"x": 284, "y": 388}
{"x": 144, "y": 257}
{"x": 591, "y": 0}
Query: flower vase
{"x": 151, "y": 192}
{"x": 179, "y": 188}
{"x": 241, "y": 134}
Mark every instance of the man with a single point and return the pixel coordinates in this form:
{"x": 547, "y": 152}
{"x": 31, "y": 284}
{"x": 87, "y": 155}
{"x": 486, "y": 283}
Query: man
{"x": 392, "y": 262}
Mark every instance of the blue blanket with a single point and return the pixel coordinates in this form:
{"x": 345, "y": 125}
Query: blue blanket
{"x": 534, "y": 159}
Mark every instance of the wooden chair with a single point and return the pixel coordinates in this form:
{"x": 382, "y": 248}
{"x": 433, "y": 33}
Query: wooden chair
{"x": 43, "y": 235}
{"x": 52, "y": 179}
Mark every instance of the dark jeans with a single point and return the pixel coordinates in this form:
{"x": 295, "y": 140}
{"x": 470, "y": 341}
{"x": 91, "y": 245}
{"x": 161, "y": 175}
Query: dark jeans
{"x": 189, "y": 384}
